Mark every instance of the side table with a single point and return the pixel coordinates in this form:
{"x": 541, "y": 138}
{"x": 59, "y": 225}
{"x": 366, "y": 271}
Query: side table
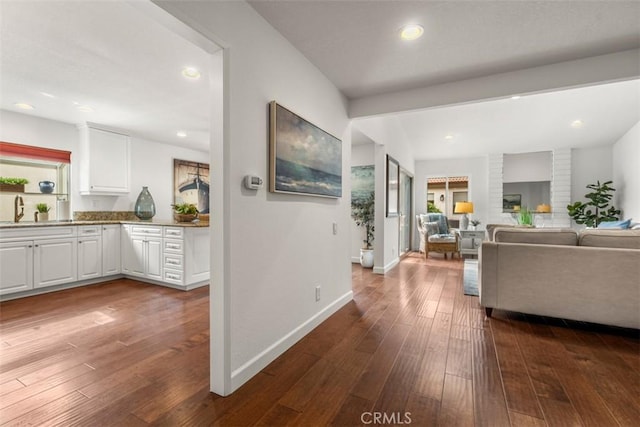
{"x": 470, "y": 241}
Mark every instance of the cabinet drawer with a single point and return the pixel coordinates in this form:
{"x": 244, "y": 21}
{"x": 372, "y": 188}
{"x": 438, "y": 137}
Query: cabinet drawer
{"x": 173, "y": 276}
{"x": 89, "y": 230}
{"x": 174, "y": 246}
{"x": 173, "y": 261}
{"x": 145, "y": 230}
{"x": 174, "y": 232}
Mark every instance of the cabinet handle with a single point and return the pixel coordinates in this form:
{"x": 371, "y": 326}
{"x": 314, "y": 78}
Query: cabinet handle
{"x": 171, "y": 276}
{"x": 37, "y": 246}
{"x": 172, "y": 262}
{"x": 173, "y": 246}
{"x": 30, "y": 246}
{"x": 79, "y": 241}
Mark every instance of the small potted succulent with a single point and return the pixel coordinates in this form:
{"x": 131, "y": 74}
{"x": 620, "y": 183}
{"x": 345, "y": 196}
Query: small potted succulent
{"x": 474, "y": 223}
{"x": 185, "y": 212}
{"x": 43, "y": 212}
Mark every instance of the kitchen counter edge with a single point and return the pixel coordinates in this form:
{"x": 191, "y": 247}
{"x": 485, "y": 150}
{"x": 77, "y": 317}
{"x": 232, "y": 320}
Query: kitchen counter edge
{"x": 170, "y": 223}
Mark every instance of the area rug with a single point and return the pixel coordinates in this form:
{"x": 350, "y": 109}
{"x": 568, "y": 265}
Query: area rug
{"x": 470, "y": 277}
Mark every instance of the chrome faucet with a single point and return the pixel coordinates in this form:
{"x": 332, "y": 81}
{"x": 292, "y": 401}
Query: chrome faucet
{"x": 16, "y": 204}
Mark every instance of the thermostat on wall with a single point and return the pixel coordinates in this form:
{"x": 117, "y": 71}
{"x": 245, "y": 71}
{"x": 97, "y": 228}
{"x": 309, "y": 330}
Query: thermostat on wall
{"x": 252, "y": 182}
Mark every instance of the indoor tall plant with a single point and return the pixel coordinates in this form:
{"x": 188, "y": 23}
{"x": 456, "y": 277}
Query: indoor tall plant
{"x": 363, "y": 212}
{"x": 596, "y": 209}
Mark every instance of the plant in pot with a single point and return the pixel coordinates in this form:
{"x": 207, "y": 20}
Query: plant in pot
{"x": 43, "y": 212}
{"x": 185, "y": 212}
{"x": 525, "y": 217}
{"x": 596, "y": 209}
{"x": 15, "y": 185}
{"x": 363, "y": 213}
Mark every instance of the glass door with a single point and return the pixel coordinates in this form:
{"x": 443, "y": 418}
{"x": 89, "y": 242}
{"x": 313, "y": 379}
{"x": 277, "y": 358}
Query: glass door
{"x": 406, "y": 201}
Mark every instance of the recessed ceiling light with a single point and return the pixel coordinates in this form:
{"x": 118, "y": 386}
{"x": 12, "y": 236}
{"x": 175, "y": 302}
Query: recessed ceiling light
{"x": 576, "y": 124}
{"x": 85, "y": 109}
{"x": 516, "y": 97}
{"x": 449, "y": 137}
{"x": 411, "y": 32}
{"x": 191, "y": 73}
{"x": 181, "y": 134}
{"x": 24, "y": 106}
{"x": 48, "y": 95}
{"x": 75, "y": 102}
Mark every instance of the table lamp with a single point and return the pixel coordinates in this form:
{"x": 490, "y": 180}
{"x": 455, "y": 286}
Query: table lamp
{"x": 463, "y": 208}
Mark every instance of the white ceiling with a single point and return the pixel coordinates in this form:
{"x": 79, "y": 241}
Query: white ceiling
{"x": 108, "y": 56}
{"x": 356, "y": 45}
{"x": 126, "y": 67}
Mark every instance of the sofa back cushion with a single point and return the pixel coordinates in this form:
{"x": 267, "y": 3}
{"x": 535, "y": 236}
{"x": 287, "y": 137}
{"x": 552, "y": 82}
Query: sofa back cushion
{"x": 610, "y": 238}
{"x": 539, "y": 236}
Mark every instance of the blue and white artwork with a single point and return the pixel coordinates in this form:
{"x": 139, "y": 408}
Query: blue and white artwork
{"x": 304, "y": 158}
{"x": 362, "y": 182}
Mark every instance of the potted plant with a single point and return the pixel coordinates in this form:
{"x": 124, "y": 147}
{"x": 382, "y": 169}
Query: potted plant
{"x": 43, "y": 212}
{"x": 474, "y": 223}
{"x": 14, "y": 185}
{"x": 525, "y": 217}
{"x": 363, "y": 212}
{"x": 185, "y": 212}
{"x": 597, "y": 209}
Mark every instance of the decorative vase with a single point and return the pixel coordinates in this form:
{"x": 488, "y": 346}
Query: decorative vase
{"x": 366, "y": 258}
{"x": 145, "y": 208}
{"x": 46, "y": 186}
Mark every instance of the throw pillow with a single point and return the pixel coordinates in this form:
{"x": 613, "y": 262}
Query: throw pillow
{"x": 432, "y": 228}
{"x": 616, "y": 224}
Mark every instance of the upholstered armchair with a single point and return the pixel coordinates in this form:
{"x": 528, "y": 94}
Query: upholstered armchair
{"x": 436, "y": 236}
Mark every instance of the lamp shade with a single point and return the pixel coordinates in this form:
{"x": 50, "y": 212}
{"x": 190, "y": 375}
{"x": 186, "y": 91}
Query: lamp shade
{"x": 463, "y": 208}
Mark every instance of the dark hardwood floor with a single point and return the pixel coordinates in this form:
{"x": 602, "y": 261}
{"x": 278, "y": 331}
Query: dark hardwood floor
{"x": 409, "y": 349}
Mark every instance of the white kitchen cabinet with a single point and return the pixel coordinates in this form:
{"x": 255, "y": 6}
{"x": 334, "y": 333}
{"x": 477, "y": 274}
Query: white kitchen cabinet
{"x": 142, "y": 251}
{"x": 111, "y": 249}
{"x": 186, "y": 256}
{"x": 105, "y": 165}
{"x": 55, "y": 261}
{"x": 89, "y": 252}
{"x": 37, "y": 257}
{"x": 16, "y": 266}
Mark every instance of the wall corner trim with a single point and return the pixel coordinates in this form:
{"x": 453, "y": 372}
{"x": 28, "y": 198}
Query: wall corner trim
{"x": 259, "y": 362}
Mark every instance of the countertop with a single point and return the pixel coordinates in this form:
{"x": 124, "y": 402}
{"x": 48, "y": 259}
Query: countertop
{"x": 26, "y": 224}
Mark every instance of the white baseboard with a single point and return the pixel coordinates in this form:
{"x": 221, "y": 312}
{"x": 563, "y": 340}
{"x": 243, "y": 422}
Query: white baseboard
{"x": 386, "y": 268}
{"x": 355, "y": 260}
{"x": 258, "y": 363}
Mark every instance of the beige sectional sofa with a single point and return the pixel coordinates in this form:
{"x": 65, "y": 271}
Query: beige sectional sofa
{"x": 591, "y": 275}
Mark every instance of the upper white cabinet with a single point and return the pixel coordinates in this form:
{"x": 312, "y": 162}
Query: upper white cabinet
{"x": 105, "y": 166}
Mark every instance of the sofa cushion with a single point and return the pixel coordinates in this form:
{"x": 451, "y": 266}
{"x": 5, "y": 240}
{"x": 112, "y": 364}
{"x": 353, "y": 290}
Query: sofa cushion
{"x": 616, "y": 224}
{"x": 610, "y": 238}
{"x": 442, "y": 238}
{"x": 540, "y": 236}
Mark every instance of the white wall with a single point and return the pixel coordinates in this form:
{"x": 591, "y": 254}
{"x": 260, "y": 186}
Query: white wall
{"x": 278, "y": 247}
{"x": 476, "y": 168}
{"x": 526, "y": 167}
{"x": 626, "y": 173}
{"x": 589, "y": 165}
{"x": 152, "y": 162}
{"x": 361, "y": 155}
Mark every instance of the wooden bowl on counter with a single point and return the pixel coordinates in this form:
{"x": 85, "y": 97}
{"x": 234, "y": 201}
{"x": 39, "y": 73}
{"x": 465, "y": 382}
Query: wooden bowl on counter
{"x": 184, "y": 217}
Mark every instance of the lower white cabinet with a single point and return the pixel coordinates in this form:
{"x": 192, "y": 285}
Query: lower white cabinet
{"x": 38, "y": 257}
{"x": 89, "y": 252}
{"x": 54, "y": 261}
{"x": 111, "y": 249}
{"x": 186, "y": 255}
{"x": 16, "y": 266}
{"x": 142, "y": 251}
